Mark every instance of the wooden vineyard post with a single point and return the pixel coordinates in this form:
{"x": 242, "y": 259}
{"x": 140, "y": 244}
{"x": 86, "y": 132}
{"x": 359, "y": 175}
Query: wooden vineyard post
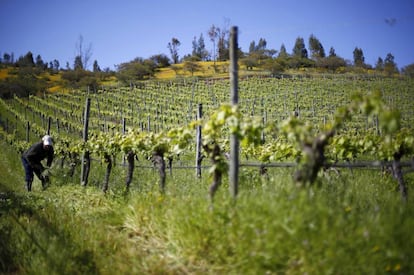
{"x": 27, "y": 131}
{"x": 398, "y": 175}
{"x": 15, "y": 125}
{"x": 108, "y": 162}
{"x": 85, "y": 163}
{"x": 49, "y": 124}
{"x": 123, "y": 133}
{"x": 198, "y": 142}
{"x": 234, "y": 99}
{"x": 131, "y": 163}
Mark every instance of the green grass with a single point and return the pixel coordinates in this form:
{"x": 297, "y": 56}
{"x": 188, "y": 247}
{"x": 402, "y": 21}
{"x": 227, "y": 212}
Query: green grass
{"x": 354, "y": 223}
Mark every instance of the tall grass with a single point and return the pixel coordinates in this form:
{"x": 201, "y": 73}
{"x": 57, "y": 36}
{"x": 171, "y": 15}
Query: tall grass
{"x": 352, "y": 223}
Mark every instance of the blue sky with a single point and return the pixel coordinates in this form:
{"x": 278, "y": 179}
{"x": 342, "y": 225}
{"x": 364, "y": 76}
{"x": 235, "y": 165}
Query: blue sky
{"x": 122, "y": 30}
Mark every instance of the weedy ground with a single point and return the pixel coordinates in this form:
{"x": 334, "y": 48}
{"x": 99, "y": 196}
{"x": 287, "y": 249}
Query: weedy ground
{"x": 352, "y": 223}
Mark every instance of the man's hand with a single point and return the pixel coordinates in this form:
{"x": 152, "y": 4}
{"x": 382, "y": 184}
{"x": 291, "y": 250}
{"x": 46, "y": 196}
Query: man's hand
{"x": 45, "y": 171}
{"x": 45, "y": 178}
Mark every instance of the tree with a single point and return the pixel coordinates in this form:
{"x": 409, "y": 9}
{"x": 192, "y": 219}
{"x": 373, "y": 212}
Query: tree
{"x": 56, "y": 65}
{"x": 389, "y": 65}
{"x": 223, "y": 43}
{"x": 199, "y": 48}
{"x": 331, "y": 63}
{"x": 78, "y": 65}
{"x": 173, "y": 47}
{"x": 299, "y": 50}
{"x": 195, "y": 47}
{"x": 379, "y": 66}
{"x": 84, "y": 54}
{"x": 359, "y": 59}
{"x": 249, "y": 62}
{"x": 316, "y": 49}
{"x": 26, "y": 61}
{"x": 191, "y": 66}
{"x": 202, "y": 51}
{"x": 39, "y": 62}
{"x": 23, "y": 84}
{"x": 261, "y": 45}
{"x": 332, "y": 52}
{"x": 161, "y": 60}
{"x": 96, "y": 67}
{"x": 299, "y": 58}
{"x": 7, "y": 58}
{"x": 213, "y": 34}
{"x": 258, "y": 53}
{"x": 282, "y": 52}
{"x": 252, "y": 47}
{"x": 275, "y": 66}
{"x": 408, "y": 70}
{"x": 137, "y": 69}
{"x": 80, "y": 78}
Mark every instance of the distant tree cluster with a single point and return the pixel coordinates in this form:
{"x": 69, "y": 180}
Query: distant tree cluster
{"x": 25, "y": 72}
{"x": 313, "y": 57}
{"x": 28, "y": 61}
{"x": 408, "y": 70}
{"x": 138, "y": 69}
{"x": 199, "y": 49}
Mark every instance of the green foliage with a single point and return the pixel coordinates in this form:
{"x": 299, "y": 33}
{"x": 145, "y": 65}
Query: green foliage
{"x": 249, "y": 62}
{"x": 138, "y": 69}
{"x": 26, "y": 60}
{"x": 353, "y": 222}
{"x": 296, "y": 62}
{"x": 25, "y": 83}
{"x": 173, "y": 47}
{"x": 299, "y": 50}
{"x": 80, "y": 79}
{"x": 331, "y": 63}
{"x": 192, "y": 67}
{"x": 161, "y": 60}
{"x": 316, "y": 49}
{"x": 359, "y": 59}
{"x": 390, "y": 67}
{"x": 274, "y": 66}
{"x": 78, "y": 64}
{"x": 199, "y": 48}
{"x": 311, "y": 144}
{"x": 409, "y": 70}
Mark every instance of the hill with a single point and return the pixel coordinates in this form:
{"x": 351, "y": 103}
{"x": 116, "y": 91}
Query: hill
{"x": 23, "y": 81}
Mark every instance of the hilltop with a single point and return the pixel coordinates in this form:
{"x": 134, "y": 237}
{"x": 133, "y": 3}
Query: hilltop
{"x": 23, "y": 81}
{"x": 15, "y": 80}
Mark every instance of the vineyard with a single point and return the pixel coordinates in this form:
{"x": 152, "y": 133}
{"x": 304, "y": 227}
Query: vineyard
{"x": 274, "y": 117}
{"x": 296, "y": 134}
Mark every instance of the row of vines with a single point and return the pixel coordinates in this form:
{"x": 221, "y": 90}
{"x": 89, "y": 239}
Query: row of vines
{"x": 315, "y": 123}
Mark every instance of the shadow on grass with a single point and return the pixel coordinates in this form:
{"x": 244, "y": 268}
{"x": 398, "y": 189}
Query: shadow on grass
{"x": 27, "y": 236}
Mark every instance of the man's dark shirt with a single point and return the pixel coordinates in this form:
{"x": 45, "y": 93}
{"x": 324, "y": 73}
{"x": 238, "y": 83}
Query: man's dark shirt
{"x": 36, "y": 153}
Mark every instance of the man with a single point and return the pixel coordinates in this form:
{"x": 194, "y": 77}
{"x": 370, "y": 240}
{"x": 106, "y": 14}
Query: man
{"x": 32, "y": 161}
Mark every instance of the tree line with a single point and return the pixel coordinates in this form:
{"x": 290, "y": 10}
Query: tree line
{"x": 258, "y": 56}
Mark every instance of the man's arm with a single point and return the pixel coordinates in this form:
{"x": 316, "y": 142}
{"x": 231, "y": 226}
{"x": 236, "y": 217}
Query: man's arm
{"x": 50, "y": 157}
